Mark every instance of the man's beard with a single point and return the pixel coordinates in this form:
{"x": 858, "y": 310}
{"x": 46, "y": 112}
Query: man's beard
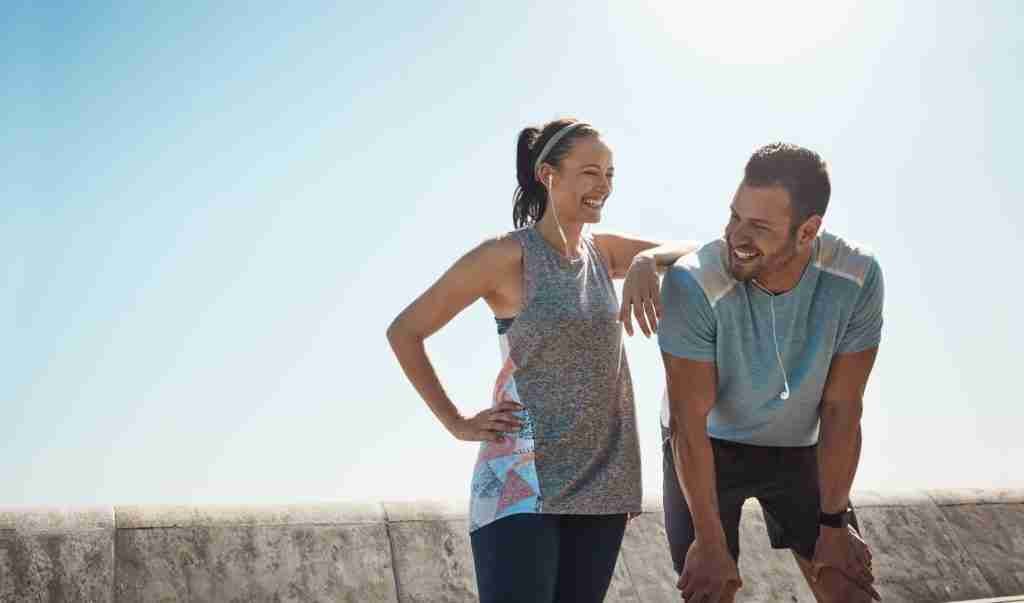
{"x": 765, "y": 265}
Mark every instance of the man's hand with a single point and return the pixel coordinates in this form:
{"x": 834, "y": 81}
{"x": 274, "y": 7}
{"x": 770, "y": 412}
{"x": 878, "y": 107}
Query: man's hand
{"x": 843, "y": 549}
{"x": 709, "y": 573}
{"x": 641, "y": 296}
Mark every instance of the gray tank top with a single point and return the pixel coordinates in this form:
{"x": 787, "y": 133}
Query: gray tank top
{"x": 563, "y": 359}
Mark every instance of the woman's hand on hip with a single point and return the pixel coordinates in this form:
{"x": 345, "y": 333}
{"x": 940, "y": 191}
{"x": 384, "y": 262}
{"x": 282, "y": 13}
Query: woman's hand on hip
{"x": 489, "y": 425}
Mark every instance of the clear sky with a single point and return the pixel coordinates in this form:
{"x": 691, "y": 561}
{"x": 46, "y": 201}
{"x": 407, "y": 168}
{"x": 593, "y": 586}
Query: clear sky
{"x": 209, "y": 216}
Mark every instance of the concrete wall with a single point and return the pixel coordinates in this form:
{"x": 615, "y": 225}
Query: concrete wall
{"x": 934, "y": 546}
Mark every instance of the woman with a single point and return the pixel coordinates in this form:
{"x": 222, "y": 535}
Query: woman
{"x": 558, "y": 472}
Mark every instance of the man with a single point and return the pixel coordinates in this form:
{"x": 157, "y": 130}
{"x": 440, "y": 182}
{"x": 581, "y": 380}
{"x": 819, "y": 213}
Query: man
{"x": 768, "y": 337}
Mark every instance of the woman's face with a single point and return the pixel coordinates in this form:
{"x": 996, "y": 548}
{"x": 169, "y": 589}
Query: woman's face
{"x": 583, "y": 182}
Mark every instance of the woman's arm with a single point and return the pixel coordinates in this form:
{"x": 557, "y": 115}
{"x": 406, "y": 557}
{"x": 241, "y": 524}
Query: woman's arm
{"x": 622, "y": 250}
{"x": 639, "y": 262}
{"x": 476, "y": 274}
{"x": 665, "y": 255}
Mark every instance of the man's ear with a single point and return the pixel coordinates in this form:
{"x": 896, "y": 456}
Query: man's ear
{"x": 808, "y": 231}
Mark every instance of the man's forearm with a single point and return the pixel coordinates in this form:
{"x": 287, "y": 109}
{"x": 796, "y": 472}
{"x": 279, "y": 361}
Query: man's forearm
{"x": 695, "y": 469}
{"x": 838, "y": 453}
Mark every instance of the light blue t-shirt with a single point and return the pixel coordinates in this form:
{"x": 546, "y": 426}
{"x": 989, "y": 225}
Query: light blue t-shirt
{"x": 836, "y": 308}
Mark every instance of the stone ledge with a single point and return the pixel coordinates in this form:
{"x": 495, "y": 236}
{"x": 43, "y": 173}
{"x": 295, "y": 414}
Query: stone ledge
{"x": 64, "y": 520}
{"x": 930, "y": 546}
{"x": 906, "y": 498}
{"x": 426, "y": 510}
{"x": 170, "y": 516}
{"x": 69, "y": 520}
{"x": 977, "y": 496}
{"x": 454, "y": 509}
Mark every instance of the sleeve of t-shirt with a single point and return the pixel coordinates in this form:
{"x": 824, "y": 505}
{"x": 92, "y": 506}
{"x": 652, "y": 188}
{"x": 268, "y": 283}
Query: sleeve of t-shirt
{"x": 864, "y": 330}
{"x": 687, "y": 326}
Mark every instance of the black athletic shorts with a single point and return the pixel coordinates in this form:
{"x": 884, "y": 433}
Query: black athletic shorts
{"x": 784, "y": 480}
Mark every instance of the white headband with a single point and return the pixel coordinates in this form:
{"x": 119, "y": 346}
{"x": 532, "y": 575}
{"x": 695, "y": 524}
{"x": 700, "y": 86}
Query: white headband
{"x": 552, "y": 142}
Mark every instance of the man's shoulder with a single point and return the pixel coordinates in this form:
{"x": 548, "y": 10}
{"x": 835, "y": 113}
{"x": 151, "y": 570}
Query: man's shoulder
{"x": 844, "y": 258}
{"x": 707, "y": 269}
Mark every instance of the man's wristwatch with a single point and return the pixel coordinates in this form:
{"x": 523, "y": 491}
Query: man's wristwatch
{"x": 835, "y": 520}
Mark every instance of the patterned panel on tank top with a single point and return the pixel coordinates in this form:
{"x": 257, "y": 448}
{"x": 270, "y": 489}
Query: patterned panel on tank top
{"x": 505, "y": 476}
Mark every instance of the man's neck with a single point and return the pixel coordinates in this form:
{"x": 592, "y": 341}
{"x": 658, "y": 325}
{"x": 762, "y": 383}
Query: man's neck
{"x": 788, "y": 277}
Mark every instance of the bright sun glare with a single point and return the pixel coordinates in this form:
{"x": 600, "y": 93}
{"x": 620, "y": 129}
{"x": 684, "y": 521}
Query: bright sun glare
{"x": 750, "y": 32}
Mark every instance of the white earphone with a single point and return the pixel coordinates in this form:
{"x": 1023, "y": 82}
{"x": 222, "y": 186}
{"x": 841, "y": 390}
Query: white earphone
{"x": 554, "y": 212}
{"x": 784, "y": 395}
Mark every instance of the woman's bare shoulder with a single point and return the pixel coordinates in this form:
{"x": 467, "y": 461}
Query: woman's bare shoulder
{"x": 501, "y": 251}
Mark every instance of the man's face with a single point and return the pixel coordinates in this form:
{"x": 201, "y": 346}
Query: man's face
{"x": 760, "y": 235}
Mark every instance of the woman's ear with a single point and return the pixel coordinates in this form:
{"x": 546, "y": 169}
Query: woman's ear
{"x": 545, "y": 174}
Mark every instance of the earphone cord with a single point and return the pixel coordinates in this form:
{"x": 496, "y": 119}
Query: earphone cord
{"x": 775, "y": 340}
{"x": 558, "y": 223}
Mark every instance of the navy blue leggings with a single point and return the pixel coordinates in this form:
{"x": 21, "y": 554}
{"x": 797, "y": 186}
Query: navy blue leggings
{"x": 547, "y": 558}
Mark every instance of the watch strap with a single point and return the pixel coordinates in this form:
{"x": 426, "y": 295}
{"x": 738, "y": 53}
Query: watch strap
{"x": 835, "y": 520}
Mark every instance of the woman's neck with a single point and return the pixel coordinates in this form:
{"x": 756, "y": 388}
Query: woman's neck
{"x": 548, "y": 228}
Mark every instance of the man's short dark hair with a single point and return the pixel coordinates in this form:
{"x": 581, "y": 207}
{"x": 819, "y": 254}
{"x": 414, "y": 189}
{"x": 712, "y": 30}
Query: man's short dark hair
{"x": 800, "y": 171}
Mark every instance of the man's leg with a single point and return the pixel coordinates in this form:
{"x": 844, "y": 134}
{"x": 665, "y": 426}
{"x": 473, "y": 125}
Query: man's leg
{"x": 832, "y": 585}
{"x": 791, "y": 504}
{"x": 588, "y": 551}
{"x": 678, "y": 521}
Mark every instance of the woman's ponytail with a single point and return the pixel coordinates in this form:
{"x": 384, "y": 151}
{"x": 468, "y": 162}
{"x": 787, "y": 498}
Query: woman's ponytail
{"x": 530, "y": 199}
